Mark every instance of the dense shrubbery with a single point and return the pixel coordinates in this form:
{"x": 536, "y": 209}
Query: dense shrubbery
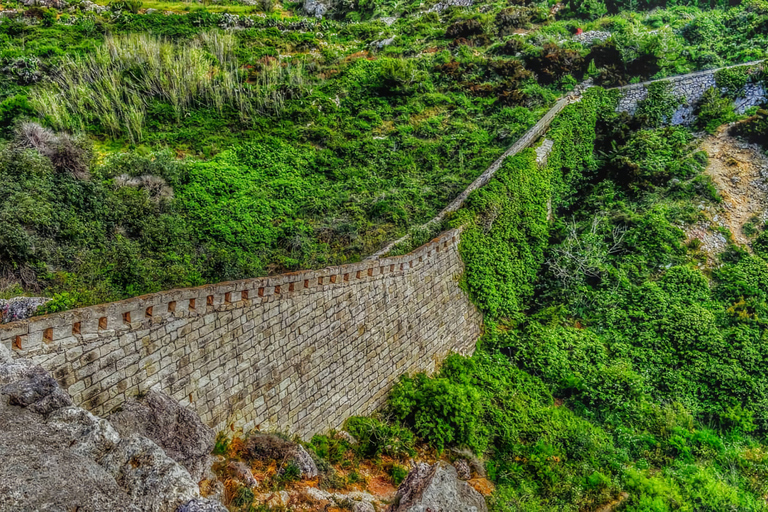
{"x": 610, "y": 362}
{"x": 653, "y": 366}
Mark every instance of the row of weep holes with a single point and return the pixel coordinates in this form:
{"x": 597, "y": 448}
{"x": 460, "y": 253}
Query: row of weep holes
{"x": 148, "y": 313}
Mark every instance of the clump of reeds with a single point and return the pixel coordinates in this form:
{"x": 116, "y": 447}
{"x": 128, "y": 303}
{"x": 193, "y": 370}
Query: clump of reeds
{"x": 112, "y": 86}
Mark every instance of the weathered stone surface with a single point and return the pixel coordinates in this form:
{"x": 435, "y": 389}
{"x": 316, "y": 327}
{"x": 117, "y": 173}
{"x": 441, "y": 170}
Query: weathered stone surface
{"x": 317, "y": 8}
{"x": 462, "y": 469}
{"x": 72, "y": 460}
{"x": 445, "y": 4}
{"x": 429, "y": 488}
{"x": 363, "y": 506}
{"x": 33, "y": 387}
{"x": 20, "y": 308}
{"x": 152, "y": 480}
{"x": 242, "y": 473}
{"x": 202, "y": 505}
{"x": 271, "y": 447}
{"x": 177, "y": 430}
{"x": 591, "y": 37}
{"x": 40, "y": 472}
{"x": 92, "y": 437}
{"x": 306, "y": 464}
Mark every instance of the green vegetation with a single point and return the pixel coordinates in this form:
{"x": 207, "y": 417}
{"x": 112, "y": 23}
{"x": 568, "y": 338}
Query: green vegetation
{"x": 611, "y": 362}
{"x": 145, "y": 151}
{"x": 207, "y": 153}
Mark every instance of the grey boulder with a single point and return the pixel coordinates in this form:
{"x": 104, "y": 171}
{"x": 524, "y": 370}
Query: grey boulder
{"x": 202, "y": 505}
{"x": 242, "y": 473}
{"x": 316, "y": 8}
{"x": 437, "y": 488}
{"x": 177, "y": 430}
{"x": 59, "y": 457}
{"x": 152, "y": 480}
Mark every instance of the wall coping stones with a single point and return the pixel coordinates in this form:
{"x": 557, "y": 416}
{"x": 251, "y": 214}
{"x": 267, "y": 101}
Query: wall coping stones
{"x": 45, "y": 334}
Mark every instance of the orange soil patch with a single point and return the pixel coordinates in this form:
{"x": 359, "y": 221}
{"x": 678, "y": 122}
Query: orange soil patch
{"x": 482, "y": 485}
{"x": 381, "y": 487}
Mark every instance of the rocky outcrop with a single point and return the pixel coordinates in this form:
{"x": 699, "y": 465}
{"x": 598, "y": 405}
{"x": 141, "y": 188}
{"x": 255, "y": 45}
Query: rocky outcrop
{"x": 202, "y": 505}
{"x": 58, "y": 4}
{"x": 317, "y": 8}
{"x": 60, "y": 457}
{"x": 176, "y": 429}
{"x": 271, "y": 447}
{"x": 463, "y": 470}
{"x": 437, "y": 487}
{"x": 592, "y": 37}
{"x": 242, "y": 473}
{"x": 19, "y": 308}
{"x": 445, "y": 4}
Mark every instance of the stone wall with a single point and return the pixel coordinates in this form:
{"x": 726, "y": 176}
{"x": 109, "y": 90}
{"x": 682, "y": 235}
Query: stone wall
{"x": 528, "y": 138}
{"x": 300, "y": 352}
{"x": 691, "y": 88}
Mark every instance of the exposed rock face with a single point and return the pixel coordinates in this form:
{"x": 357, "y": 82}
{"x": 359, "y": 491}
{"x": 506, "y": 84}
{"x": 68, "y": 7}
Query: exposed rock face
{"x": 33, "y": 387}
{"x": 445, "y": 4}
{"x": 433, "y": 488}
{"x": 241, "y": 472}
{"x": 19, "y": 308}
{"x": 176, "y": 429}
{"x": 317, "y": 8}
{"x": 152, "y": 480}
{"x": 592, "y": 37}
{"x": 60, "y": 457}
{"x": 202, "y": 505}
{"x": 363, "y": 506}
{"x": 462, "y": 469}
{"x": 271, "y": 447}
{"x": 58, "y": 4}
{"x": 306, "y": 464}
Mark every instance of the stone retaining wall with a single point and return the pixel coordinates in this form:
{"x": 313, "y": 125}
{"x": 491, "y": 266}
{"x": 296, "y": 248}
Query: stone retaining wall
{"x": 299, "y": 352}
{"x": 691, "y": 88}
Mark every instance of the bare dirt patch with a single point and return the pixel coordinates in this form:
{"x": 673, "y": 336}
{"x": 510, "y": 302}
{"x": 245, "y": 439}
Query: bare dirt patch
{"x": 739, "y": 171}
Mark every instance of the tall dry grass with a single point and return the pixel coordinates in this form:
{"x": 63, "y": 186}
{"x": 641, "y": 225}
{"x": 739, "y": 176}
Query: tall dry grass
{"x": 112, "y": 86}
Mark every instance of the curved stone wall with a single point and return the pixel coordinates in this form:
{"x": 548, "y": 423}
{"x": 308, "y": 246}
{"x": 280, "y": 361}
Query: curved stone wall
{"x": 299, "y": 352}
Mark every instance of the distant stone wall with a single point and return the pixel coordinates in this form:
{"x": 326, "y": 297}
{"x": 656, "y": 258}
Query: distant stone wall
{"x": 300, "y": 352}
{"x": 691, "y": 88}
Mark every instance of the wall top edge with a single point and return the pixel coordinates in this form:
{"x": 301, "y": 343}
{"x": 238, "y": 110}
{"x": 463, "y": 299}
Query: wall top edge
{"x": 676, "y": 78}
{"x": 90, "y": 313}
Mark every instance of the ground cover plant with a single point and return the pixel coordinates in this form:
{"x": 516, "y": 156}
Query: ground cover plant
{"x": 363, "y": 128}
{"x": 148, "y": 150}
{"x": 621, "y": 363}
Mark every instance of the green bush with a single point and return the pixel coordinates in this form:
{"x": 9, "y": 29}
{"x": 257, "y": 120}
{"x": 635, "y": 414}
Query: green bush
{"x": 376, "y": 438}
{"x": 714, "y": 111}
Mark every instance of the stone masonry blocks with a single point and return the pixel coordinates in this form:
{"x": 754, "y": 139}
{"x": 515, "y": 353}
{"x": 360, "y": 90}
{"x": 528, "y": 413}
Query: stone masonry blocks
{"x": 329, "y": 344}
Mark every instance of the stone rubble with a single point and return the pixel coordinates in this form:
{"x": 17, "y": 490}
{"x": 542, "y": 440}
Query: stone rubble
{"x": 591, "y": 37}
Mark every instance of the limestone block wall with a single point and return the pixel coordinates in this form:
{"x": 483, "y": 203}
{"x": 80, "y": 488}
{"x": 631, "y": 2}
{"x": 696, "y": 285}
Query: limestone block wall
{"x": 691, "y": 88}
{"x": 300, "y": 352}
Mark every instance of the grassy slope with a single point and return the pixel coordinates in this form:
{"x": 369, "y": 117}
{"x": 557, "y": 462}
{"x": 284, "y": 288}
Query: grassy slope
{"x": 384, "y": 138}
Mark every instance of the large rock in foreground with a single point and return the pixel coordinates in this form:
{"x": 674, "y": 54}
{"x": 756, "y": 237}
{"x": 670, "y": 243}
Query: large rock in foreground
{"x": 437, "y": 488}
{"x": 177, "y": 430}
{"x": 58, "y": 457}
